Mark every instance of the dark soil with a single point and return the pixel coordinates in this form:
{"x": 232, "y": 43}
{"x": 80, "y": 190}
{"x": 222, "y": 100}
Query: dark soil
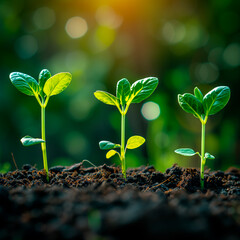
{"x": 97, "y": 203}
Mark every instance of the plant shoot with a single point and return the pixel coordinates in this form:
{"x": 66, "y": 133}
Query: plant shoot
{"x": 202, "y": 107}
{"x": 42, "y": 90}
{"x": 125, "y": 95}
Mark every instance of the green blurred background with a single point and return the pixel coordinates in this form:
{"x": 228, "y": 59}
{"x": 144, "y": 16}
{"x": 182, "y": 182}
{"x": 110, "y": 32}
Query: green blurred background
{"x": 184, "y": 43}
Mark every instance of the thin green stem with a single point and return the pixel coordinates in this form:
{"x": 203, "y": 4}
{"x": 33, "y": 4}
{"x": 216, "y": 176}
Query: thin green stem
{"x": 38, "y": 99}
{"x": 202, "y": 156}
{"x": 123, "y": 143}
{"x": 46, "y": 101}
{"x": 126, "y": 109}
{"x": 44, "y": 149}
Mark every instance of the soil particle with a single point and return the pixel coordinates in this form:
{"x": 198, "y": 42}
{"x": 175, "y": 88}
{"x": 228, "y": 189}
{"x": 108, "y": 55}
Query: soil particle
{"x": 57, "y": 169}
{"x": 98, "y": 203}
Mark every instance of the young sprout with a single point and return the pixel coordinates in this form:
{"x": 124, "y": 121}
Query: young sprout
{"x": 125, "y": 95}
{"x": 202, "y": 107}
{"x": 42, "y": 90}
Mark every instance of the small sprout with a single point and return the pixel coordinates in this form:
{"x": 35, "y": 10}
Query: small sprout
{"x": 42, "y": 90}
{"x": 202, "y": 107}
{"x": 125, "y": 95}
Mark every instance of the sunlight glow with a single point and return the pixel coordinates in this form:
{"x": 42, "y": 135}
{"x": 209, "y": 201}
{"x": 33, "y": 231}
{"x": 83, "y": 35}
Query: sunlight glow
{"x": 173, "y": 32}
{"x": 106, "y": 16}
{"x": 150, "y": 111}
{"x": 206, "y": 72}
{"x": 231, "y": 55}
{"x": 76, "y": 27}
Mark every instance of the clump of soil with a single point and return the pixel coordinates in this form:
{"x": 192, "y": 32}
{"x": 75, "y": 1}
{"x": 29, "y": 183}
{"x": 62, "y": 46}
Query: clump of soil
{"x": 97, "y": 203}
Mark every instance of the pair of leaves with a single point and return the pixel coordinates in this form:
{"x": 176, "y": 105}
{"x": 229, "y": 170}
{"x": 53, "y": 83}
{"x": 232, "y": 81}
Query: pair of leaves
{"x": 190, "y": 152}
{"x": 126, "y": 94}
{"x": 106, "y": 145}
{"x": 47, "y": 85}
{"x": 132, "y": 143}
{"x": 200, "y": 106}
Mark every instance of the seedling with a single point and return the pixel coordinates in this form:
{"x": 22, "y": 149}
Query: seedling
{"x": 202, "y": 107}
{"x": 125, "y": 95}
{"x": 42, "y": 90}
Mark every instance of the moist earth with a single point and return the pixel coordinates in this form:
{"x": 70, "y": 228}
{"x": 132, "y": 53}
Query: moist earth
{"x": 98, "y": 203}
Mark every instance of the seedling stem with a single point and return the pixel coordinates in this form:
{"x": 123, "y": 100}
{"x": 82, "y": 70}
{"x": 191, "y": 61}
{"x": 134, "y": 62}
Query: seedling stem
{"x": 203, "y": 160}
{"x": 43, "y": 144}
{"x": 123, "y": 143}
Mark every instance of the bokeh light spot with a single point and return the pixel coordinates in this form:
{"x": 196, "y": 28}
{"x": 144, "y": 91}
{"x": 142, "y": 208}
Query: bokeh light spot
{"x": 150, "y": 111}
{"x": 103, "y": 38}
{"x": 26, "y": 46}
{"x": 173, "y": 32}
{"x": 106, "y": 16}
{"x": 206, "y": 72}
{"x": 195, "y": 35}
{"x": 44, "y": 18}
{"x": 76, "y": 27}
{"x": 231, "y": 55}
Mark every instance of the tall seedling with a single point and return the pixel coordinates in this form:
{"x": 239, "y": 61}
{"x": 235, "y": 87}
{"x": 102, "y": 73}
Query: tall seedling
{"x": 42, "y": 90}
{"x": 202, "y": 107}
{"x": 125, "y": 95}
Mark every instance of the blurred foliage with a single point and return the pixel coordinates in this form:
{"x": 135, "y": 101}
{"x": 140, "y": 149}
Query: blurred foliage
{"x": 183, "y": 43}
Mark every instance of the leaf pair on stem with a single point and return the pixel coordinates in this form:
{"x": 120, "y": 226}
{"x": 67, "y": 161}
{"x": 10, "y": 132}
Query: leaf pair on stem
{"x": 42, "y": 90}
{"x": 202, "y": 107}
{"x": 125, "y": 95}
{"x": 132, "y": 143}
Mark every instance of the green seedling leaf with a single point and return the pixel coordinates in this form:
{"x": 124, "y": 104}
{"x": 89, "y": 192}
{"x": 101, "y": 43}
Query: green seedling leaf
{"x": 44, "y": 75}
{"x": 106, "y": 145}
{"x": 198, "y": 94}
{"x": 186, "y": 152}
{"x": 29, "y": 141}
{"x": 123, "y": 90}
{"x": 106, "y": 98}
{"x": 143, "y": 88}
{"x": 135, "y": 142}
{"x": 209, "y": 156}
{"x": 57, "y": 83}
{"x": 24, "y": 83}
{"x": 191, "y": 104}
{"x": 216, "y": 99}
{"x": 111, "y": 153}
